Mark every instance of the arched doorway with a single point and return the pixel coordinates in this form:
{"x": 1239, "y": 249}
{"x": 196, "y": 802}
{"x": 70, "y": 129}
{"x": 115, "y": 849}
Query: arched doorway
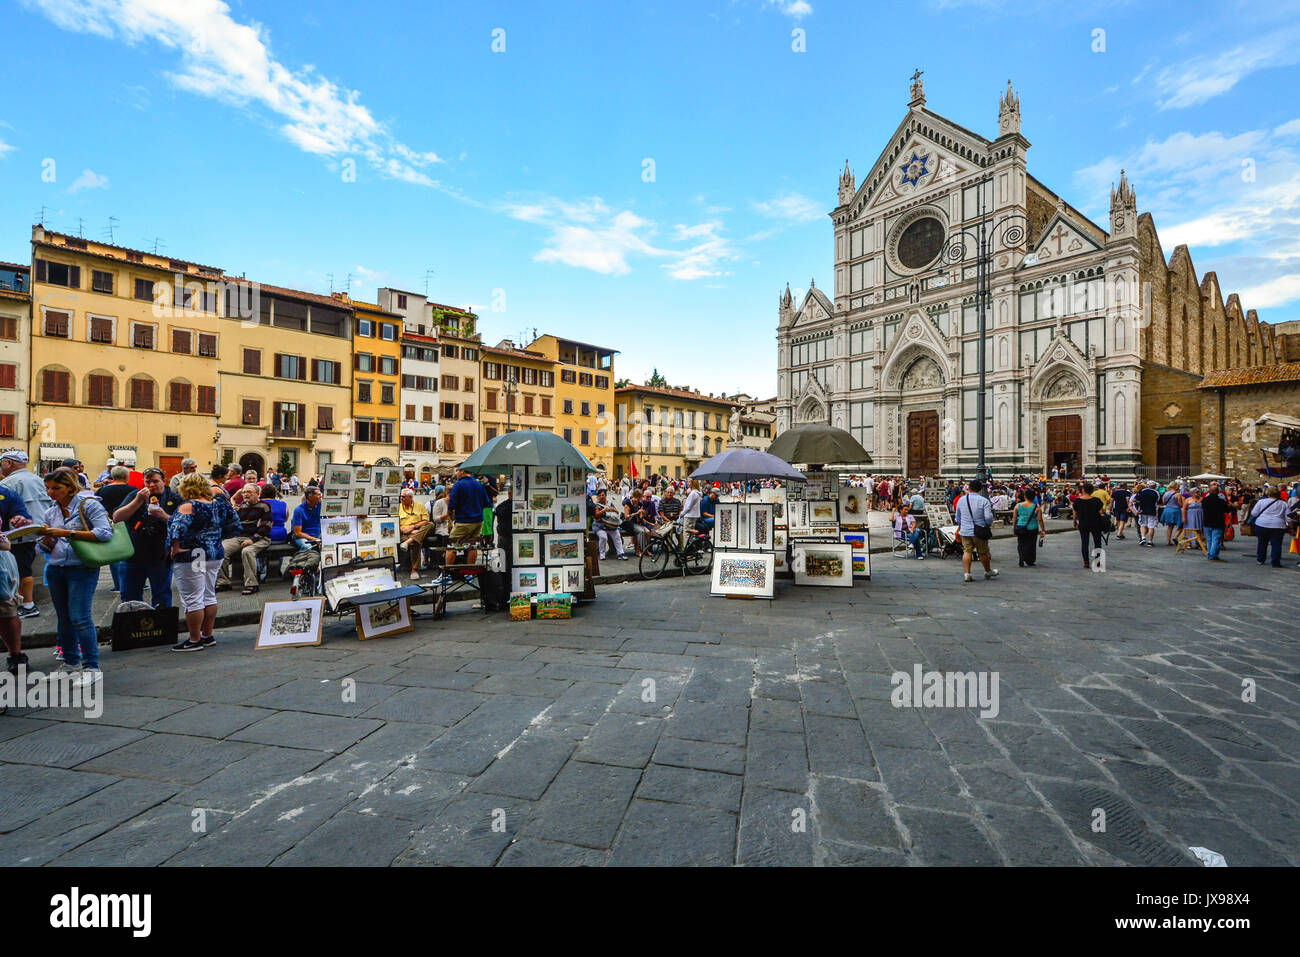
{"x": 251, "y": 460}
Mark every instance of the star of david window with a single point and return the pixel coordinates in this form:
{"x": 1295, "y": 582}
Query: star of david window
{"x": 914, "y": 169}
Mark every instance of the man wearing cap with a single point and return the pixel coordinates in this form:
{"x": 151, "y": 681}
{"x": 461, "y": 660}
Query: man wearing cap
{"x": 17, "y": 478}
{"x": 105, "y": 476}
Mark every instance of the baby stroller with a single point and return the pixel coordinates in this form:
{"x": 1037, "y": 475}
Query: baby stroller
{"x": 304, "y": 574}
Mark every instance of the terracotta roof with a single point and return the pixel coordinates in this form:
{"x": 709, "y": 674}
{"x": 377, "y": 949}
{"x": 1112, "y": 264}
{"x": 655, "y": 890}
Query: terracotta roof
{"x": 416, "y": 337}
{"x": 21, "y": 267}
{"x": 679, "y": 394}
{"x": 439, "y": 305}
{"x": 1254, "y": 375}
{"x": 143, "y": 252}
{"x": 517, "y": 353}
{"x": 14, "y": 294}
{"x": 291, "y": 293}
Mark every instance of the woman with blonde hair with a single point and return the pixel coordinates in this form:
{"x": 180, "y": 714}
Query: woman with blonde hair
{"x": 195, "y": 533}
{"x": 76, "y": 515}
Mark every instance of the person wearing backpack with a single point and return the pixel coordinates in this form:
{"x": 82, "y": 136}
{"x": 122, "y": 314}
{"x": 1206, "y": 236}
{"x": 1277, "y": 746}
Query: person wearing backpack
{"x": 975, "y": 525}
{"x": 195, "y": 533}
{"x": 1268, "y": 518}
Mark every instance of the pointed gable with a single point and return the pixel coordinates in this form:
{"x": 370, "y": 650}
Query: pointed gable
{"x": 1062, "y": 238}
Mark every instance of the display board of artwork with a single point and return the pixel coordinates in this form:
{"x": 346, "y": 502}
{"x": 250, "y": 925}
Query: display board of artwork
{"x": 361, "y": 490}
{"x": 860, "y": 542}
{"x": 745, "y": 525}
{"x": 820, "y": 485}
{"x": 287, "y": 624}
{"x": 751, "y": 574}
{"x": 828, "y": 564}
{"x": 760, "y": 527}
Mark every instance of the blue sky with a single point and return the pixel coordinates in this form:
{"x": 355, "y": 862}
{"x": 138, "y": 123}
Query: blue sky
{"x": 520, "y": 177}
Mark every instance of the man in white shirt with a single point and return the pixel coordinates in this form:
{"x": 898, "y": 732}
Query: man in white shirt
{"x": 974, "y": 509}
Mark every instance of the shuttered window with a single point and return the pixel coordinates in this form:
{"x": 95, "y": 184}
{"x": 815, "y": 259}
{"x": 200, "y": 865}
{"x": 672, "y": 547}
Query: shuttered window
{"x": 181, "y": 341}
{"x": 8, "y": 376}
{"x": 99, "y": 390}
{"x": 207, "y": 399}
{"x": 56, "y": 386}
{"x": 252, "y": 412}
{"x": 142, "y": 336}
{"x": 101, "y": 329}
{"x": 324, "y": 417}
{"x": 56, "y": 323}
{"x": 207, "y": 345}
{"x": 9, "y": 328}
{"x": 252, "y": 362}
{"x": 142, "y": 393}
{"x": 7, "y": 426}
{"x": 178, "y": 396}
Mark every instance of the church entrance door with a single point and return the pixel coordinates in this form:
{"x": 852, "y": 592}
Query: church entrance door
{"x": 1065, "y": 445}
{"x": 922, "y": 444}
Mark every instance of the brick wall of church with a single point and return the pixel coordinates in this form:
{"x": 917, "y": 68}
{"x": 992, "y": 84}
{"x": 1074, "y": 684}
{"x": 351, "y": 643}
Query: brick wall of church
{"x": 1240, "y": 454}
{"x": 1171, "y": 403}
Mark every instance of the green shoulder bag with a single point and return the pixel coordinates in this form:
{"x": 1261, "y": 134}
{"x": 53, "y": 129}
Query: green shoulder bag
{"x": 93, "y": 554}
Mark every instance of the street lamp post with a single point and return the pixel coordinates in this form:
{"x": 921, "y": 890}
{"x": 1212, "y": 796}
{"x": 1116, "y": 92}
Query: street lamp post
{"x": 508, "y": 389}
{"x": 1013, "y": 230}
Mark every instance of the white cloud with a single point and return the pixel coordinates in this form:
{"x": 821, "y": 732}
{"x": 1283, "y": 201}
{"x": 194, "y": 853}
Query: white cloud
{"x": 1198, "y": 79}
{"x": 232, "y": 62}
{"x": 791, "y": 8}
{"x": 1288, "y": 129}
{"x": 792, "y": 207}
{"x": 6, "y": 148}
{"x": 88, "y": 179}
{"x": 589, "y": 234}
{"x": 1275, "y": 292}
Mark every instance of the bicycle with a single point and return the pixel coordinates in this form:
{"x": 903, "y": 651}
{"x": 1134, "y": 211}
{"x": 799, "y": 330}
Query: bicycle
{"x": 664, "y": 545}
{"x": 304, "y": 574}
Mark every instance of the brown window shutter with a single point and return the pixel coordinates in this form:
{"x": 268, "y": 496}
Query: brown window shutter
{"x": 324, "y": 417}
{"x": 279, "y": 362}
{"x": 40, "y": 270}
{"x": 315, "y": 370}
{"x": 8, "y": 376}
{"x": 207, "y": 399}
{"x": 302, "y": 421}
{"x": 252, "y": 362}
{"x": 64, "y": 387}
{"x": 207, "y": 345}
{"x": 275, "y": 417}
{"x": 146, "y": 391}
{"x": 302, "y": 368}
{"x": 7, "y": 423}
{"x": 74, "y": 277}
{"x": 181, "y": 341}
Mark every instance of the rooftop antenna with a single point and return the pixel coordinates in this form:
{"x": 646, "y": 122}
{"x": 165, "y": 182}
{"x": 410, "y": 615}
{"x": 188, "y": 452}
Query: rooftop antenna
{"x": 349, "y": 286}
{"x": 428, "y": 274}
{"x": 157, "y": 244}
{"x": 112, "y": 225}
{"x": 41, "y": 219}
{"x": 81, "y": 228}
{"x": 330, "y": 277}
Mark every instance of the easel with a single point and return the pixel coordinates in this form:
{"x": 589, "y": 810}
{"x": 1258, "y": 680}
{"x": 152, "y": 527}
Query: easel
{"x": 1196, "y": 536}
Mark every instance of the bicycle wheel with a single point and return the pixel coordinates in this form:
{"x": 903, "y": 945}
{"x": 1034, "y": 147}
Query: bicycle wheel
{"x": 699, "y": 559}
{"x": 654, "y": 559}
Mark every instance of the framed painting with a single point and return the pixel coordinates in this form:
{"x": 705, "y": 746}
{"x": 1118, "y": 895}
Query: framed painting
{"x": 726, "y": 522}
{"x": 338, "y": 478}
{"x": 530, "y": 581}
{"x": 564, "y": 548}
{"x": 543, "y": 521}
{"x": 362, "y": 475}
{"x": 555, "y": 578}
{"x": 778, "y": 512}
{"x": 760, "y": 528}
{"x": 743, "y": 573}
{"x": 329, "y": 557}
{"x": 345, "y": 553}
{"x": 829, "y": 564}
{"x": 286, "y": 624}
{"x": 823, "y": 513}
{"x": 521, "y": 518}
{"x": 860, "y": 542}
{"x": 853, "y": 505}
{"x": 519, "y": 482}
{"x": 570, "y": 514}
{"x": 331, "y": 507}
{"x": 542, "y": 476}
{"x": 541, "y": 499}
{"x": 523, "y": 548}
{"x": 796, "y": 514}
{"x": 574, "y": 578}
{"x": 366, "y": 528}
{"x": 376, "y": 619}
{"x": 338, "y": 529}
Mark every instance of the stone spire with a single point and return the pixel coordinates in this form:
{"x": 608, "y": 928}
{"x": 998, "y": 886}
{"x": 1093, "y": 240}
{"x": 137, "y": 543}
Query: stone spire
{"x": 918, "y": 91}
{"x": 847, "y": 185}
{"x": 1123, "y": 209}
{"x": 1009, "y": 112}
{"x": 785, "y": 308}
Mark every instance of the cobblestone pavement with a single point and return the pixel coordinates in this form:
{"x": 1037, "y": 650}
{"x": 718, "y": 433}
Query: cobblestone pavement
{"x": 770, "y": 737}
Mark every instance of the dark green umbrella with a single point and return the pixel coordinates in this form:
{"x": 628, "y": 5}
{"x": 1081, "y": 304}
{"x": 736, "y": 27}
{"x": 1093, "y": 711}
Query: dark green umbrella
{"x": 819, "y": 445}
{"x": 497, "y": 456}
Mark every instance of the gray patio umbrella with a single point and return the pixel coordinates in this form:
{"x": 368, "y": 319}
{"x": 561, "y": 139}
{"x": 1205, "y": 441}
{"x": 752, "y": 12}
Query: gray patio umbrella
{"x": 739, "y": 465}
{"x": 499, "y": 455}
{"x": 819, "y": 444}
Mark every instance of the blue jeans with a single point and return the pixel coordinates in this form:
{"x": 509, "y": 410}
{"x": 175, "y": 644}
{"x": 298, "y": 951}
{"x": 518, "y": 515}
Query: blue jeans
{"x": 917, "y": 539}
{"x": 1213, "y": 541}
{"x": 72, "y": 589}
{"x": 118, "y": 571}
{"x": 159, "y": 577}
{"x": 303, "y": 545}
{"x": 1267, "y": 537}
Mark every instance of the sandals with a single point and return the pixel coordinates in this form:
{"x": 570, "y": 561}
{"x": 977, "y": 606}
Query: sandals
{"x": 252, "y": 590}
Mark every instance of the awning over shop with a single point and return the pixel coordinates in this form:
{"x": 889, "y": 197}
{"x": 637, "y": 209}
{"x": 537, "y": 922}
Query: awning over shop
{"x": 124, "y": 456}
{"x": 51, "y": 452}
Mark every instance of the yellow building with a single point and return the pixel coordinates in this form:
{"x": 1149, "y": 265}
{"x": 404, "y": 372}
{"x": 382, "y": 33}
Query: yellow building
{"x": 669, "y": 431}
{"x": 286, "y": 379}
{"x": 125, "y": 350}
{"x": 584, "y": 395}
{"x": 376, "y": 378}
{"x": 15, "y": 351}
{"x": 518, "y": 390}
{"x": 459, "y": 346}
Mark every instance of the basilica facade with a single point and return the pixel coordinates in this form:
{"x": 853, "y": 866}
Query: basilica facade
{"x": 1079, "y": 319}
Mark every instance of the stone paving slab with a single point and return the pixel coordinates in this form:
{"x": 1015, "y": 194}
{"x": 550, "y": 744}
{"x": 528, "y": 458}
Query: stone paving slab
{"x": 662, "y": 726}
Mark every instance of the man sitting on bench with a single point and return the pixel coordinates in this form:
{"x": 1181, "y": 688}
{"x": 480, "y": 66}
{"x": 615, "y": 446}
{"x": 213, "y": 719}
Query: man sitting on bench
{"x": 414, "y": 524}
{"x": 467, "y": 501}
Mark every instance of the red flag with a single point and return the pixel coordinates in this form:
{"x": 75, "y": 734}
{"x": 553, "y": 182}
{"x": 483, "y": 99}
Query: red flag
{"x": 633, "y": 468}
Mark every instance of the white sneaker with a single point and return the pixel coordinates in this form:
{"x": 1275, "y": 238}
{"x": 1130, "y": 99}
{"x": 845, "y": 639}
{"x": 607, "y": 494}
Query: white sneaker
{"x": 88, "y": 676}
{"x": 969, "y": 578}
{"x": 415, "y": 575}
{"x": 992, "y": 574}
